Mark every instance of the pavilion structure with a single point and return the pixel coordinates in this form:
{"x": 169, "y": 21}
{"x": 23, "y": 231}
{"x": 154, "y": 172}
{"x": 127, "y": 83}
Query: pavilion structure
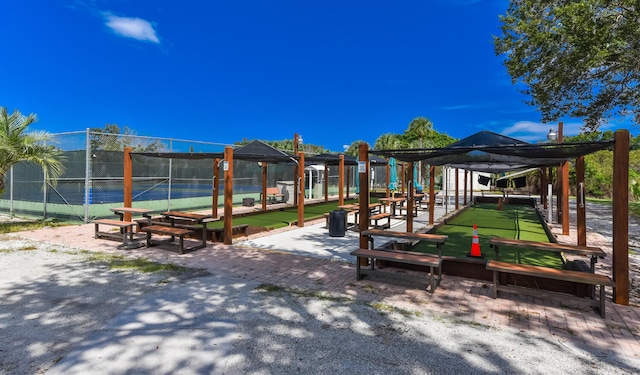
{"x": 255, "y": 151}
{"x": 490, "y": 152}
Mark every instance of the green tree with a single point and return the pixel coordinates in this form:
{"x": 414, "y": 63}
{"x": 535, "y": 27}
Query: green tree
{"x": 16, "y": 145}
{"x": 389, "y": 141}
{"x": 577, "y": 58}
{"x": 114, "y": 138}
{"x": 419, "y": 132}
{"x": 353, "y": 148}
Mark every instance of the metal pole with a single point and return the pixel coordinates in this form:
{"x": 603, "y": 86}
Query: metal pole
{"x": 170, "y": 174}
{"x": 87, "y": 174}
{"x": 11, "y": 191}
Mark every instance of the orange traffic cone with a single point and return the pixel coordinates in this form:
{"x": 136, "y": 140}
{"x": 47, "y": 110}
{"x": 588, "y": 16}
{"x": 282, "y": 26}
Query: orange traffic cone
{"x": 475, "y": 245}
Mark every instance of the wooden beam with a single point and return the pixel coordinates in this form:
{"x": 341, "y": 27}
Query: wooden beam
{"x": 128, "y": 182}
{"x": 621, "y": 217}
{"x": 228, "y": 195}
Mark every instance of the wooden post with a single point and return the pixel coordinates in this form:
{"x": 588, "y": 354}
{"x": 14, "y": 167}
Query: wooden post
{"x": 348, "y": 179}
{"x": 228, "y": 195}
{"x": 403, "y": 181}
{"x": 464, "y": 199}
{"x": 264, "y": 185}
{"x": 559, "y": 181}
{"x": 388, "y": 193}
{"x": 216, "y": 183}
{"x": 341, "y": 181}
{"x": 326, "y": 183}
{"x": 550, "y": 181}
{"x": 621, "y": 217}
{"x": 543, "y": 187}
{"x": 565, "y": 198}
{"x": 410, "y": 200}
{"x": 457, "y": 189}
{"x": 363, "y": 175}
{"x": 432, "y": 194}
{"x": 296, "y": 173}
{"x": 128, "y": 181}
{"x": 470, "y": 186}
{"x": 581, "y": 209}
{"x": 301, "y": 189}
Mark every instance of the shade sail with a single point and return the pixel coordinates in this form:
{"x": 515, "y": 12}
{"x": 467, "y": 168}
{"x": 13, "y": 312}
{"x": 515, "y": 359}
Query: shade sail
{"x": 494, "y": 153}
{"x": 260, "y": 151}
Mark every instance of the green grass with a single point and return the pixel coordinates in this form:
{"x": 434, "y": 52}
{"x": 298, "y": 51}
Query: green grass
{"x": 19, "y": 226}
{"x": 134, "y": 264}
{"x": 517, "y": 222}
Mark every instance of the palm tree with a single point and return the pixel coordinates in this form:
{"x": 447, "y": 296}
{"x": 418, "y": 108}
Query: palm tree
{"x": 17, "y": 145}
{"x": 388, "y": 141}
{"x": 420, "y": 129}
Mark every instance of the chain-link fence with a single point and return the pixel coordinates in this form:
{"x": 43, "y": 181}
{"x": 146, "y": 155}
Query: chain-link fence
{"x": 93, "y": 181}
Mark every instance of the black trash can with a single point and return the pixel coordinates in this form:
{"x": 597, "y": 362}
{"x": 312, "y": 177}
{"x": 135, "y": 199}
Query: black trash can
{"x": 337, "y": 223}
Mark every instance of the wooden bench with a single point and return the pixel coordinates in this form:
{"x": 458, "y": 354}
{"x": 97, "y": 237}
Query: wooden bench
{"x": 126, "y": 229}
{"x": 273, "y": 195}
{"x": 377, "y": 217}
{"x": 427, "y": 260}
{"x": 593, "y": 252}
{"x": 167, "y": 231}
{"x": 549, "y": 273}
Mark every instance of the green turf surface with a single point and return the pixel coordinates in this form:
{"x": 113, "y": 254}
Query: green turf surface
{"x": 515, "y": 222}
{"x": 282, "y": 218}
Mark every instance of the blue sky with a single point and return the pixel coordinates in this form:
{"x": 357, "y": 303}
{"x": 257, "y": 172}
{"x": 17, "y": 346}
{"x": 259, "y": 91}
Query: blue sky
{"x": 220, "y": 71}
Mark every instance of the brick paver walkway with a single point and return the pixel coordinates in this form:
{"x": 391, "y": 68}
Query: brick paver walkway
{"x": 457, "y": 298}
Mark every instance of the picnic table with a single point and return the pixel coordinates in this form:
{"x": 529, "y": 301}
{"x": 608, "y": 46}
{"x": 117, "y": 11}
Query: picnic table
{"x": 125, "y": 226}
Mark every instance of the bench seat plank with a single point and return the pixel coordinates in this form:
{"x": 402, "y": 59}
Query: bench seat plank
{"x": 550, "y": 273}
{"x": 126, "y": 229}
{"x": 420, "y": 259}
{"x": 377, "y": 217}
{"x": 550, "y": 246}
{"x": 168, "y": 231}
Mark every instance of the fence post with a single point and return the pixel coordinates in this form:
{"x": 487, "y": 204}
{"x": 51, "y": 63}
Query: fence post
{"x": 87, "y": 175}
{"x": 169, "y": 183}
{"x": 11, "y": 191}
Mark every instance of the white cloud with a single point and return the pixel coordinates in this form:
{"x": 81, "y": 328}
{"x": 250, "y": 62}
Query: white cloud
{"x": 534, "y": 132}
{"x": 129, "y": 27}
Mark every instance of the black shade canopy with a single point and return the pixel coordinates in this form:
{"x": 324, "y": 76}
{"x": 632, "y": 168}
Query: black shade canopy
{"x": 494, "y": 153}
{"x": 181, "y": 155}
{"x": 253, "y": 151}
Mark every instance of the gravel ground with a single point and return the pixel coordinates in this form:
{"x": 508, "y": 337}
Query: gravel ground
{"x": 65, "y": 314}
